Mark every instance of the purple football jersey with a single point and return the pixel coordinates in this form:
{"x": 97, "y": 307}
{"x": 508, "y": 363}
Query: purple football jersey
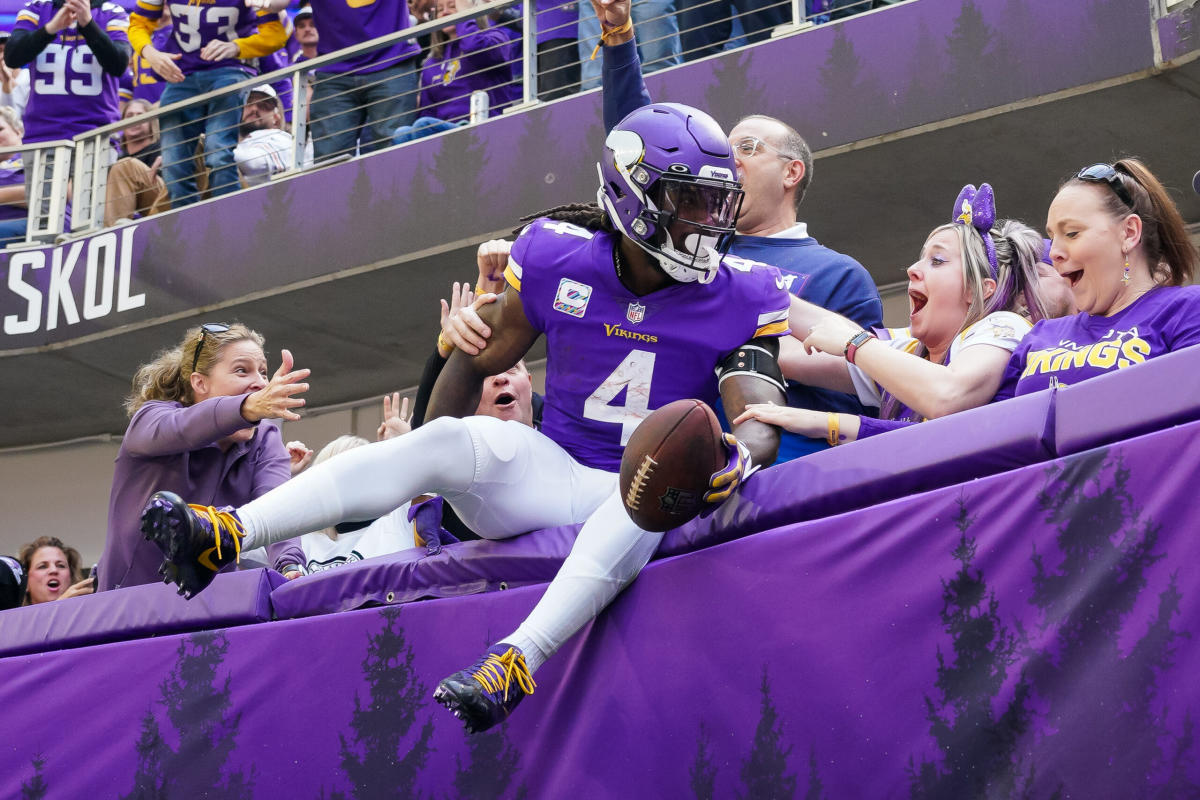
{"x": 1067, "y": 350}
{"x": 12, "y": 173}
{"x": 195, "y": 25}
{"x": 612, "y": 357}
{"x": 345, "y": 23}
{"x": 474, "y": 60}
{"x": 69, "y": 92}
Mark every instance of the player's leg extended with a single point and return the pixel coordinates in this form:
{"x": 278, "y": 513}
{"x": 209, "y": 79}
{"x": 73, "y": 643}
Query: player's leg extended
{"x": 607, "y": 556}
{"x": 361, "y": 484}
{"x": 446, "y": 456}
{"x": 523, "y": 481}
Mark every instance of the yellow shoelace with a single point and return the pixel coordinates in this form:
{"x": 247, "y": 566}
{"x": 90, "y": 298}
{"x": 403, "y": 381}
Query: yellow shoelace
{"x": 497, "y": 673}
{"x": 222, "y": 520}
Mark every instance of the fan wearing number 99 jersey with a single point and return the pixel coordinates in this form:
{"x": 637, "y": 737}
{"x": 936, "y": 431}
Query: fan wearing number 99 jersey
{"x": 69, "y": 90}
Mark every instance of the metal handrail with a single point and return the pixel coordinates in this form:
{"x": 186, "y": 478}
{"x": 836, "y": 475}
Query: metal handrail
{"x": 304, "y": 66}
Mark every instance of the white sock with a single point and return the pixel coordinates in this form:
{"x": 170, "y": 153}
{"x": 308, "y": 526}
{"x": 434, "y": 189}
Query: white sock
{"x": 607, "y": 556}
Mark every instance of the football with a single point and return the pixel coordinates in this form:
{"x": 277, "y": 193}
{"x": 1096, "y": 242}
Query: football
{"x": 668, "y": 462}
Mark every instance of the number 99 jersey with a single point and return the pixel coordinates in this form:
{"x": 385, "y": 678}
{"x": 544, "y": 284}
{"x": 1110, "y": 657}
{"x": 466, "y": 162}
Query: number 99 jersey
{"x": 613, "y": 357}
{"x": 69, "y": 92}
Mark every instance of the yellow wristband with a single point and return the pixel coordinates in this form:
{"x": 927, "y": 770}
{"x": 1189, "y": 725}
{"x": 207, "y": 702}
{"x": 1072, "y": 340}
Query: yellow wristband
{"x": 606, "y": 33}
{"x": 443, "y": 344}
{"x": 834, "y": 433}
{"x": 480, "y": 290}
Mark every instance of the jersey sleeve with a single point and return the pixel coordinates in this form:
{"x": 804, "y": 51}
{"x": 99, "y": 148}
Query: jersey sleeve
{"x": 1184, "y": 330}
{"x": 533, "y": 269}
{"x": 117, "y": 25}
{"x": 1002, "y": 329}
{"x": 29, "y": 18}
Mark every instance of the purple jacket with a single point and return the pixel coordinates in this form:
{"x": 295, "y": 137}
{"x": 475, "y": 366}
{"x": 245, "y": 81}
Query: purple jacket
{"x": 170, "y": 446}
{"x": 475, "y": 59}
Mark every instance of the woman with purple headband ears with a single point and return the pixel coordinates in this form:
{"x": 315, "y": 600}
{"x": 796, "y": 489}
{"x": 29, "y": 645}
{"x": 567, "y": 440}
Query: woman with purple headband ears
{"x": 969, "y": 296}
{"x": 1119, "y": 240}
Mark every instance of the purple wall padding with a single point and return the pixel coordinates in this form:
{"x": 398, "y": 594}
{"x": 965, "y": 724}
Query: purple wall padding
{"x": 1162, "y": 392}
{"x": 236, "y": 598}
{"x": 464, "y": 568}
{"x": 937, "y": 453}
{"x": 1029, "y": 634}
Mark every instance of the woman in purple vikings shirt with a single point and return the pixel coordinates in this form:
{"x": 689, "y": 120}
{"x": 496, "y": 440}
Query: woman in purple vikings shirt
{"x": 465, "y": 58}
{"x": 971, "y": 295}
{"x": 195, "y": 416}
{"x": 1119, "y": 239}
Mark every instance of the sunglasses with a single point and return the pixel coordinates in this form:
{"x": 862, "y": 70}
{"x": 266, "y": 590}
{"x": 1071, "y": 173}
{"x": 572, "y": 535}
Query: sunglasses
{"x": 205, "y": 329}
{"x": 751, "y": 145}
{"x": 1106, "y": 173}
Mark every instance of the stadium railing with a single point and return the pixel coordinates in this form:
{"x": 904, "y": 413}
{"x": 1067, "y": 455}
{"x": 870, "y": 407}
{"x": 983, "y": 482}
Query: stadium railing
{"x": 73, "y": 173}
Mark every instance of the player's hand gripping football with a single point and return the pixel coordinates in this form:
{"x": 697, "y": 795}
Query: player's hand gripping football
{"x": 737, "y": 468}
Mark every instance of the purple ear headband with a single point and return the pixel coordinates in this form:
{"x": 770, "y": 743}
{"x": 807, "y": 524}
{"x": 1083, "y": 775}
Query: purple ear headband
{"x": 978, "y": 209}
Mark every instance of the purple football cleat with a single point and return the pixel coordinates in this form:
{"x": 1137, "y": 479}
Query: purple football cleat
{"x": 485, "y": 693}
{"x": 197, "y": 541}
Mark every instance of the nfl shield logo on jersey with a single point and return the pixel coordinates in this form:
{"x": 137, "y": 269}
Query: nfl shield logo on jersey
{"x": 635, "y": 313}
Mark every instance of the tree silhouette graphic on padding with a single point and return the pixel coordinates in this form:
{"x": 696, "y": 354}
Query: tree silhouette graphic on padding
{"x": 702, "y": 773}
{"x": 971, "y": 62}
{"x": 764, "y": 772}
{"x": 855, "y": 106}
{"x": 198, "y": 708}
{"x": 1096, "y": 693}
{"x": 492, "y": 764}
{"x": 816, "y": 788}
{"x": 978, "y": 748}
{"x": 381, "y": 760}
{"x": 36, "y": 787}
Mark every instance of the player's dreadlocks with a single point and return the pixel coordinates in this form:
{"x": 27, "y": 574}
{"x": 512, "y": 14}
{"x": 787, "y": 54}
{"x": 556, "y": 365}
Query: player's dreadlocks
{"x": 585, "y": 215}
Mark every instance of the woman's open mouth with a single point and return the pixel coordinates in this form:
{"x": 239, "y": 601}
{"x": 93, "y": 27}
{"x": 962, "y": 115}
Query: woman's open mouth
{"x": 917, "y": 301}
{"x": 1073, "y": 277}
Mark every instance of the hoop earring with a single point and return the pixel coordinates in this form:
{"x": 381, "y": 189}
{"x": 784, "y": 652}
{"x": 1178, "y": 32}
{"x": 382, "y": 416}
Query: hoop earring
{"x": 1125, "y": 274}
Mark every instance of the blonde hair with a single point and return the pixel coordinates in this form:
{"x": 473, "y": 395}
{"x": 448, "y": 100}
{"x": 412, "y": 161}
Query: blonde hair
{"x": 10, "y": 115}
{"x": 168, "y": 376}
{"x": 147, "y": 107}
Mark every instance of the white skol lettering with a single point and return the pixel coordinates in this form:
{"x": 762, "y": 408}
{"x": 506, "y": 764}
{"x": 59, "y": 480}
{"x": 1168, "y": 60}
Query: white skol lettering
{"x": 13, "y": 324}
{"x": 59, "y": 293}
{"x": 125, "y": 301}
{"x": 104, "y": 245}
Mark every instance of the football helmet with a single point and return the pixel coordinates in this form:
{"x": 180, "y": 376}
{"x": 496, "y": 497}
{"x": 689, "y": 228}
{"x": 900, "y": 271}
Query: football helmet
{"x": 668, "y": 181}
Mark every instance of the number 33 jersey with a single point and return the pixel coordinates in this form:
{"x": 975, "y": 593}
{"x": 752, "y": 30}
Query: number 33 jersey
{"x": 69, "y": 92}
{"x": 613, "y": 357}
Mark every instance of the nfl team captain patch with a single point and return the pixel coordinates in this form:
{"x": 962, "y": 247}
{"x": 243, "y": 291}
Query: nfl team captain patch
{"x": 572, "y": 297}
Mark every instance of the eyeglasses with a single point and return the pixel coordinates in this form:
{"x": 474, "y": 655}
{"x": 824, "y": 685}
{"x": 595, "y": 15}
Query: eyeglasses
{"x": 205, "y": 329}
{"x": 1106, "y": 173}
{"x": 751, "y": 145}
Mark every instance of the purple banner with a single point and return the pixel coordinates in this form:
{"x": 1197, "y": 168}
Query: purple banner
{"x": 1027, "y": 634}
{"x": 911, "y": 65}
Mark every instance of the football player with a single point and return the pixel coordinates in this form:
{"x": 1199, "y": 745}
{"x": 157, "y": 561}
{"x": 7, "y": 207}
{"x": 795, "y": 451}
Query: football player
{"x": 639, "y": 309}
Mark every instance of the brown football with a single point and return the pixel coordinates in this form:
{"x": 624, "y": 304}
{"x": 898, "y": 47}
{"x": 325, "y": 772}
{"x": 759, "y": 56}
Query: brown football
{"x": 668, "y": 462}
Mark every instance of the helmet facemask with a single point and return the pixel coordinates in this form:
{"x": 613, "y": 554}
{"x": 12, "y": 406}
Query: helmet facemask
{"x": 685, "y": 221}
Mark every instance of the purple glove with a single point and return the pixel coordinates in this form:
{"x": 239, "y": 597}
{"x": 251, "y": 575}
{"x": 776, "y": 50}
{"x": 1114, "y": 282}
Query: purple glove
{"x": 426, "y": 518}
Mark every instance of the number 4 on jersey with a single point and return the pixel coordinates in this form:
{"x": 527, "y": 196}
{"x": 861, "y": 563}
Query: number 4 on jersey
{"x": 633, "y": 375}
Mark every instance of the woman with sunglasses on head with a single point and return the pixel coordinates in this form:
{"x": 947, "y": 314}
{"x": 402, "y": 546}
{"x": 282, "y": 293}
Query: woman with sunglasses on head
{"x": 194, "y": 429}
{"x": 972, "y": 294}
{"x": 1119, "y": 239}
